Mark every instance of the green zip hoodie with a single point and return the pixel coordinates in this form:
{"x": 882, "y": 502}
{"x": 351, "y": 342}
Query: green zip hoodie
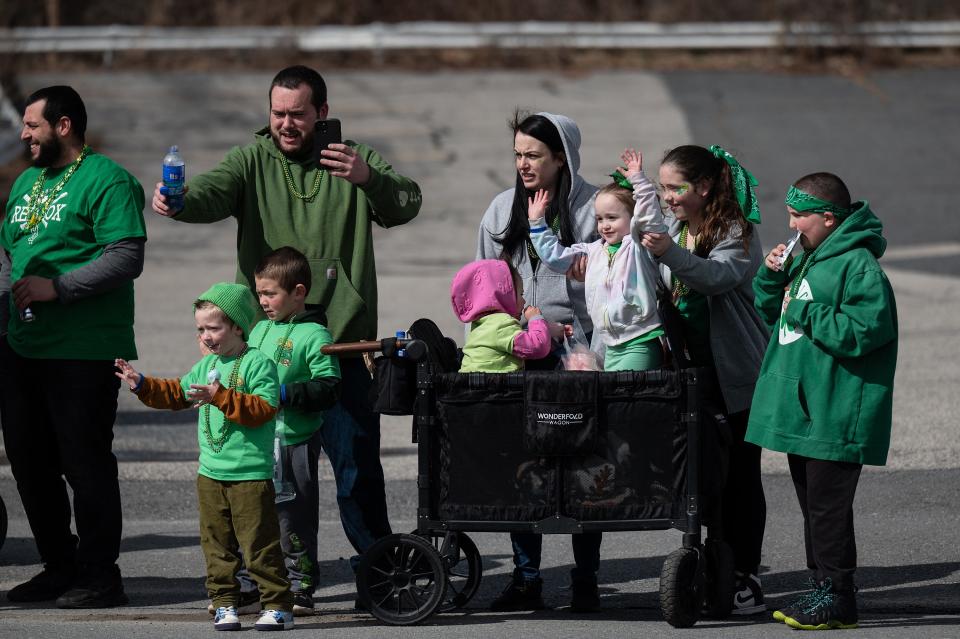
{"x": 333, "y": 229}
{"x": 826, "y": 385}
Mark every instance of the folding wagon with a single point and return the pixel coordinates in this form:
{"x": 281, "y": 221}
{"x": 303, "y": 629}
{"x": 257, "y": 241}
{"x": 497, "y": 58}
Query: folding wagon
{"x": 545, "y": 452}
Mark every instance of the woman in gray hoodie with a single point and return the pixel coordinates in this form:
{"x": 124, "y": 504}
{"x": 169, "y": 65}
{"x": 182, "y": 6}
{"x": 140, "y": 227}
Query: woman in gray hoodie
{"x": 547, "y": 154}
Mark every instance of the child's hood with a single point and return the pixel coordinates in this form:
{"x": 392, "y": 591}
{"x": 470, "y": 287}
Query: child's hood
{"x": 482, "y": 287}
{"x": 862, "y": 229}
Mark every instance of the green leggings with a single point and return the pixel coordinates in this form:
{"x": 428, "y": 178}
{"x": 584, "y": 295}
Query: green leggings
{"x": 634, "y": 356}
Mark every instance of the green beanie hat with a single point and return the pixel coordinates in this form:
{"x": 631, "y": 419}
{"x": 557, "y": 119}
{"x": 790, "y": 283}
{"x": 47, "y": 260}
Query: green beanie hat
{"x": 236, "y": 301}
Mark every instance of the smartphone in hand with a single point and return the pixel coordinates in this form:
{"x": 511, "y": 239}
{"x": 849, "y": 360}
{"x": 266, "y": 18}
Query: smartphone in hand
{"x": 325, "y": 133}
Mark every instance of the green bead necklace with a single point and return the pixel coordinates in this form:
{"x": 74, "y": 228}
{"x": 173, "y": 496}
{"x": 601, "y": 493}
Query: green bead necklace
{"x": 281, "y": 345}
{"x": 36, "y": 210}
{"x": 680, "y": 289}
{"x": 216, "y": 445}
{"x": 293, "y": 189}
{"x": 805, "y": 263}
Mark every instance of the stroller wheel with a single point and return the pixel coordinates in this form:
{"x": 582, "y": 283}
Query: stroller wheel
{"x": 464, "y": 567}
{"x": 401, "y": 579}
{"x": 680, "y": 588}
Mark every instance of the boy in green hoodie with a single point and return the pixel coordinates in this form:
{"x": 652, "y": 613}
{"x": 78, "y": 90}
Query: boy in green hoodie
{"x": 292, "y": 336}
{"x": 825, "y": 391}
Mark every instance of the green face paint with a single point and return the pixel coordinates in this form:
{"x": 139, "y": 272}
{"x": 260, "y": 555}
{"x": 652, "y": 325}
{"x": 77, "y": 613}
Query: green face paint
{"x": 680, "y": 189}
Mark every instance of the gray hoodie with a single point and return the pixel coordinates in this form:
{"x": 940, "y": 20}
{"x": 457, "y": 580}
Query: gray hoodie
{"x": 738, "y": 337}
{"x": 559, "y": 299}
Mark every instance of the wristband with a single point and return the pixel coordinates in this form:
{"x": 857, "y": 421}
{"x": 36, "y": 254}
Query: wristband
{"x": 139, "y": 384}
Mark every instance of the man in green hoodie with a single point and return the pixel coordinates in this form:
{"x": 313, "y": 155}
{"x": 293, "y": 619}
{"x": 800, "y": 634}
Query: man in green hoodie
{"x": 825, "y": 391}
{"x": 280, "y": 196}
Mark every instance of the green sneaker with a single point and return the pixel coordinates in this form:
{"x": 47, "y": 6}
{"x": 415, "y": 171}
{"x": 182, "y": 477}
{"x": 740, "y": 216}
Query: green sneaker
{"x": 801, "y": 602}
{"x": 832, "y": 610}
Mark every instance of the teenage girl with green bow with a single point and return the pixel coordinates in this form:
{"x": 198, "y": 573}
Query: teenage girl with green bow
{"x": 709, "y": 257}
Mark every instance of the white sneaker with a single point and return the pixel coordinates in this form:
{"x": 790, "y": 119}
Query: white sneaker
{"x": 225, "y": 618}
{"x": 747, "y": 595}
{"x": 274, "y": 620}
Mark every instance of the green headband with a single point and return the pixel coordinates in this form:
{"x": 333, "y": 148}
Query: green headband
{"x": 621, "y": 180}
{"x": 806, "y": 203}
{"x": 743, "y": 183}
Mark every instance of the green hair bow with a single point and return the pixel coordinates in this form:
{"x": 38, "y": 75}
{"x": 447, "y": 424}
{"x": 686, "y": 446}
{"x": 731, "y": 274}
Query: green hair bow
{"x": 743, "y": 183}
{"x": 621, "y": 180}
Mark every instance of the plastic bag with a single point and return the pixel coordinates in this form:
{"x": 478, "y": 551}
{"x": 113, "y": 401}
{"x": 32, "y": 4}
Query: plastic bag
{"x": 578, "y": 357}
{"x": 284, "y": 489}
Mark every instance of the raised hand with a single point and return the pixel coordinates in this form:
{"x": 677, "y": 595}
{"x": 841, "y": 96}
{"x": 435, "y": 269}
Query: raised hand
{"x": 632, "y": 160}
{"x": 537, "y": 205}
{"x": 342, "y": 161}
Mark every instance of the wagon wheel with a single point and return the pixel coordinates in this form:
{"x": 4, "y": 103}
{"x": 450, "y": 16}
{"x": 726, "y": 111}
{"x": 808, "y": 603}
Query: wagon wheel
{"x": 401, "y": 579}
{"x": 718, "y": 579}
{"x": 464, "y": 567}
{"x": 680, "y": 588}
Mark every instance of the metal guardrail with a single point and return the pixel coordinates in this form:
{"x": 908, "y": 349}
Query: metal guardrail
{"x": 500, "y": 35}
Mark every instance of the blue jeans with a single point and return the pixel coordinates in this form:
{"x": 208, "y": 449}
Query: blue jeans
{"x": 527, "y": 550}
{"x": 350, "y": 436}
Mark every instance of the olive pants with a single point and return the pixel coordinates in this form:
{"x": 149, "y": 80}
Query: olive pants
{"x": 239, "y": 517}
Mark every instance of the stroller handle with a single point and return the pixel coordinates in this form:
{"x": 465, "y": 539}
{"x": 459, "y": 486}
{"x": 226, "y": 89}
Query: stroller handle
{"x": 414, "y": 348}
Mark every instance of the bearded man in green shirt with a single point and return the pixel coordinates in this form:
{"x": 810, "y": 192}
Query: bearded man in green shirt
{"x": 281, "y": 196}
{"x": 73, "y": 239}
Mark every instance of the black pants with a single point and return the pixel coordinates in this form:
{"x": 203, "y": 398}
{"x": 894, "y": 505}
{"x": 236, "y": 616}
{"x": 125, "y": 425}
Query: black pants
{"x": 58, "y": 423}
{"x": 744, "y": 506}
{"x": 826, "y": 490}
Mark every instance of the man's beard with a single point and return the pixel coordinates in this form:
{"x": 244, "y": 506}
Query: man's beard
{"x": 50, "y": 151}
{"x": 305, "y": 150}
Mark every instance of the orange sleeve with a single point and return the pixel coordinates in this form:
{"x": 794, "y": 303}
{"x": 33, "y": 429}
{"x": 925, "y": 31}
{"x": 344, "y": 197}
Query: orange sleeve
{"x": 163, "y": 393}
{"x": 243, "y": 408}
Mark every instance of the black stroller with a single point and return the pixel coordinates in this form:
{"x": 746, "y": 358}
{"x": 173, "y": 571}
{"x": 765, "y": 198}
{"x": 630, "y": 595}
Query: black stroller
{"x": 544, "y": 452}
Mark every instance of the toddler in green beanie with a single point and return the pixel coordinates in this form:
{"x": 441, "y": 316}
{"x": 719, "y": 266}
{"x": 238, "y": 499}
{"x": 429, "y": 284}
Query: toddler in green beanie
{"x": 236, "y": 389}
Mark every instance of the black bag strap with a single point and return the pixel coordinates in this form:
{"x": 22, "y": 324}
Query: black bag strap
{"x": 672, "y": 325}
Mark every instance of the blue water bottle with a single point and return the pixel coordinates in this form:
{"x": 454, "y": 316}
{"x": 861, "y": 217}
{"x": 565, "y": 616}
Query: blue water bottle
{"x": 174, "y": 177}
{"x": 402, "y": 352}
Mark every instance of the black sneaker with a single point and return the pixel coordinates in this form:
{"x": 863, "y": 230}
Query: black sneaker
{"x": 49, "y": 584}
{"x": 747, "y": 595}
{"x": 831, "y": 610}
{"x": 520, "y": 594}
{"x": 95, "y": 588}
{"x": 302, "y": 604}
{"x": 586, "y": 596}
{"x": 794, "y": 607}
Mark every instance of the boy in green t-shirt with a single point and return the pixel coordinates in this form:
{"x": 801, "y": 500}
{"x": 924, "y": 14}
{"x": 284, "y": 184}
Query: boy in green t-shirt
{"x": 292, "y": 336}
{"x": 825, "y": 392}
{"x": 236, "y": 389}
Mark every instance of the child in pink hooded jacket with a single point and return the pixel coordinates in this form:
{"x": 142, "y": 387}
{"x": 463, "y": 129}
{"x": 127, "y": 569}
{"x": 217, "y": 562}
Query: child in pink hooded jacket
{"x": 487, "y": 294}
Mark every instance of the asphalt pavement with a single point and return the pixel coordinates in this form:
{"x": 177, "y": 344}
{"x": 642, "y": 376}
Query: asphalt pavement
{"x": 892, "y": 135}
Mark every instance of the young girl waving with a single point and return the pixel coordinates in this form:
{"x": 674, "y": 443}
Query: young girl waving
{"x": 621, "y": 275}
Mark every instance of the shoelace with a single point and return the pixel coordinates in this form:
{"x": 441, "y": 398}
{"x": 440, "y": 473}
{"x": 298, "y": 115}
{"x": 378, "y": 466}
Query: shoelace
{"x": 807, "y": 598}
{"x": 822, "y": 597}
